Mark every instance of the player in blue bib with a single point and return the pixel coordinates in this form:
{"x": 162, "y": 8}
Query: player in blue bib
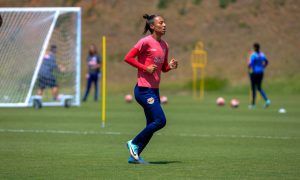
{"x": 257, "y": 64}
{"x": 46, "y": 77}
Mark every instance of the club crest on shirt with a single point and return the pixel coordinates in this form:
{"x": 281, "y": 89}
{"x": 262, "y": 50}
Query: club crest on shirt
{"x": 158, "y": 60}
{"x": 150, "y": 100}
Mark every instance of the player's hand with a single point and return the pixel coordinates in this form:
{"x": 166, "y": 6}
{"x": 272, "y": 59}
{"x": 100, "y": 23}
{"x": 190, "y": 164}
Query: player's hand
{"x": 151, "y": 68}
{"x": 173, "y": 63}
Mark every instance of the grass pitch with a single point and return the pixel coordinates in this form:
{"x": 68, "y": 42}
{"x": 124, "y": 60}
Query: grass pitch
{"x": 200, "y": 141}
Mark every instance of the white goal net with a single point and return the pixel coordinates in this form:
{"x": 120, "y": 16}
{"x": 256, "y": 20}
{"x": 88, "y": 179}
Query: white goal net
{"x": 39, "y": 55}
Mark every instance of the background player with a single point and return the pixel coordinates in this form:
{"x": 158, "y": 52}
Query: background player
{"x": 46, "y": 77}
{"x": 94, "y": 65}
{"x": 257, "y": 64}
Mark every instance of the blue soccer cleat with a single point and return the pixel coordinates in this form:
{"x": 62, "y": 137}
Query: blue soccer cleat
{"x": 141, "y": 161}
{"x": 131, "y": 160}
{"x": 133, "y": 150}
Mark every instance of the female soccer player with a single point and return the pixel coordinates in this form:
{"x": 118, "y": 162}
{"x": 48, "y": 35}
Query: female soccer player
{"x": 152, "y": 58}
{"x": 94, "y": 64}
{"x": 257, "y": 63}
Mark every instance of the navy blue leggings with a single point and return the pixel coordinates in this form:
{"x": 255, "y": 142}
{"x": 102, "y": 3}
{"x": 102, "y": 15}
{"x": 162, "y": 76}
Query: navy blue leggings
{"x": 256, "y": 81}
{"x": 93, "y": 78}
{"x": 149, "y": 99}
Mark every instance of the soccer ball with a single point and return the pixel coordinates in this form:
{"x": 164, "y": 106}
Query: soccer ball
{"x": 220, "y": 101}
{"x": 163, "y": 99}
{"x": 282, "y": 111}
{"x": 235, "y": 103}
{"x": 128, "y": 98}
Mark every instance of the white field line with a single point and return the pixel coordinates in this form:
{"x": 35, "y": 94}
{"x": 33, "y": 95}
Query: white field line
{"x": 238, "y": 136}
{"x": 56, "y": 132}
{"x": 160, "y": 134}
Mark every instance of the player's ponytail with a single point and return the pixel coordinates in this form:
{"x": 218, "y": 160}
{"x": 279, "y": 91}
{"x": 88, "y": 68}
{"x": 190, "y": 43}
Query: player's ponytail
{"x": 149, "y": 20}
{"x": 256, "y": 47}
{"x": 1, "y": 20}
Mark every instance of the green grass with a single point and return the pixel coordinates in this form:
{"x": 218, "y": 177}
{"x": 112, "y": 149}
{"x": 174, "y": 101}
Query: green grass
{"x": 200, "y": 141}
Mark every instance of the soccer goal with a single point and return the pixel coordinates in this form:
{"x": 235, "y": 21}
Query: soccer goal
{"x": 40, "y": 56}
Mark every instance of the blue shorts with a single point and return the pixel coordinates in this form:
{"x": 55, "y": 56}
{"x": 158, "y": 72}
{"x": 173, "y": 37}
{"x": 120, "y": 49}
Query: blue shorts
{"x": 46, "y": 82}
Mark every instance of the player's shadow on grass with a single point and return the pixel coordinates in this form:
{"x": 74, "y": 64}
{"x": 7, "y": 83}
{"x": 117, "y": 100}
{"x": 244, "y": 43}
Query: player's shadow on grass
{"x": 164, "y": 162}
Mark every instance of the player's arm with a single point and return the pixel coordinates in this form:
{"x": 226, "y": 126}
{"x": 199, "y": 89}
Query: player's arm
{"x": 250, "y": 63}
{"x": 58, "y": 66}
{"x": 99, "y": 61}
{"x": 166, "y": 66}
{"x": 173, "y": 64}
{"x": 1, "y": 20}
{"x": 169, "y": 66}
{"x": 98, "y": 65}
{"x": 130, "y": 59}
{"x": 266, "y": 62}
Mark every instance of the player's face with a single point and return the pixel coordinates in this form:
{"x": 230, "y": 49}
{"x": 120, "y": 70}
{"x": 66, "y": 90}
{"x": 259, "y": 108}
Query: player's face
{"x": 159, "y": 26}
{"x": 54, "y": 50}
{"x": 92, "y": 49}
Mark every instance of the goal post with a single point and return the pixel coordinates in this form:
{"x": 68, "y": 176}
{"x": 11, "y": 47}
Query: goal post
{"x": 26, "y": 38}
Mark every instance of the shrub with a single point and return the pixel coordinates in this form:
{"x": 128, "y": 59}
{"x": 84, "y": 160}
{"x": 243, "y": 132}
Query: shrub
{"x": 210, "y": 84}
{"x": 196, "y": 2}
{"x": 224, "y": 3}
{"x": 163, "y": 4}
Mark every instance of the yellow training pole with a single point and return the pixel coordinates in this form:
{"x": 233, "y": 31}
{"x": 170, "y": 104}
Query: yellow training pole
{"x": 103, "y": 81}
